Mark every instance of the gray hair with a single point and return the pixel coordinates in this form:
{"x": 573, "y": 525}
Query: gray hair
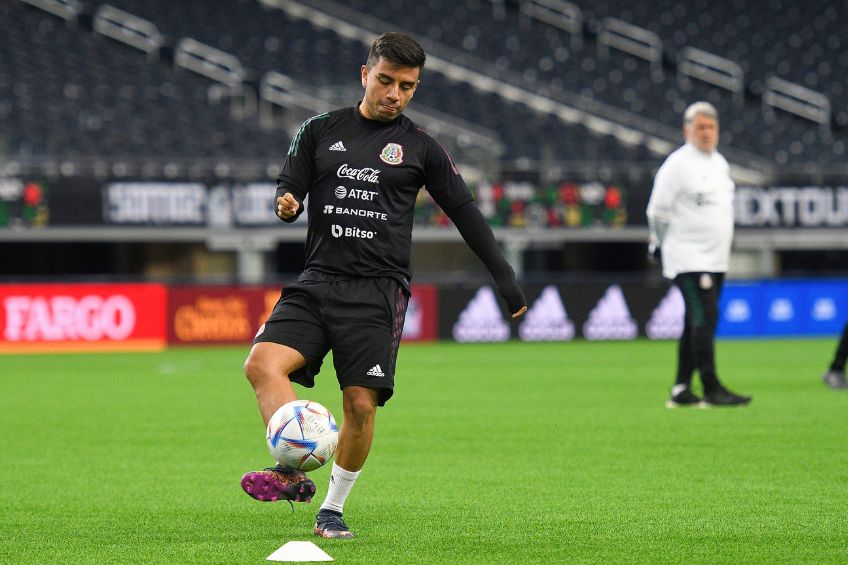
{"x": 699, "y": 108}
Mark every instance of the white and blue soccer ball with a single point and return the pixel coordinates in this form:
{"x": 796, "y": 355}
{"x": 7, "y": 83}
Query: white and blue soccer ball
{"x": 302, "y": 435}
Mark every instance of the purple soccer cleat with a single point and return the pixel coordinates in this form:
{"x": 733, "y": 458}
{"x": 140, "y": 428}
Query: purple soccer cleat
{"x": 278, "y": 483}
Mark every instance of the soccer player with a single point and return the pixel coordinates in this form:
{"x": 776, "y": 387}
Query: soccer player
{"x": 690, "y": 214}
{"x": 835, "y": 375}
{"x": 361, "y": 168}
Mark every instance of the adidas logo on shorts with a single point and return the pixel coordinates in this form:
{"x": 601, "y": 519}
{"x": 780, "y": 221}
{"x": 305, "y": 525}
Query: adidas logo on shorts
{"x": 338, "y": 146}
{"x": 376, "y": 371}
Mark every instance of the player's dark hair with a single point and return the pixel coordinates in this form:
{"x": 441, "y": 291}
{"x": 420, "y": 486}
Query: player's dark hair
{"x": 396, "y": 48}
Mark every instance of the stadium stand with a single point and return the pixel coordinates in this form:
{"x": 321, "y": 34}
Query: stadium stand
{"x": 546, "y": 54}
{"x": 323, "y": 59}
{"x": 112, "y": 100}
{"x": 67, "y": 92}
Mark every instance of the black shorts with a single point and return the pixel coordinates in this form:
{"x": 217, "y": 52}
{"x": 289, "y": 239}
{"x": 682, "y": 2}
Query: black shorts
{"x": 360, "y": 320}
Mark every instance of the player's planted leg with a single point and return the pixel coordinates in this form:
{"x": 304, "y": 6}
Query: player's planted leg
{"x": 329, "y": 524}
{"x": 355, "y": 437}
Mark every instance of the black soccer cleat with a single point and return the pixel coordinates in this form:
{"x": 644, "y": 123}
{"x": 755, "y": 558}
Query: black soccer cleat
{"x": 278, "y": 483}
{"x": 329, "y": 524}
{"x": 720, "y": 396}
{"x": 835, "y": 379}
{"x": 683, "y": 399}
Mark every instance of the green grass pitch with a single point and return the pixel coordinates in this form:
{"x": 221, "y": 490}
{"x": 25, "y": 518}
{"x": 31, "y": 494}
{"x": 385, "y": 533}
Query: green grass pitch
{"x": 510, "y": 453}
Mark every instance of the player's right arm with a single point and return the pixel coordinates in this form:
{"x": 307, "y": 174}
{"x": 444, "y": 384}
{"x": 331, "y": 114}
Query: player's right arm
{"x": 288, "y": 207}
{"x": 295, "y": 178}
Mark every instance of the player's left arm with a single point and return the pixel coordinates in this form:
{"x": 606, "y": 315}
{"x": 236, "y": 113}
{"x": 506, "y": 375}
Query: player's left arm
{"x": 448, "y": 189}
{"x": 478, "y": 235}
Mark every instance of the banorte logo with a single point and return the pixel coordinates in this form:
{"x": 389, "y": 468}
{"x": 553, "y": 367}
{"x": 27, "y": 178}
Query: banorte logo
{"x": 365, "y": 174}
{"x": 61, "y": 318}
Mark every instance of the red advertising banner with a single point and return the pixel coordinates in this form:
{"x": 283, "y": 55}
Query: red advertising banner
{"x": 422, "y": 314}
{"x": 218, "y": 314}
{"x": 81, "y": 317}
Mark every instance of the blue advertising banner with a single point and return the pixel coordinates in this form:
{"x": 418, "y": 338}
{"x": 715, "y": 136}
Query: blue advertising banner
{"x": 783, "y": 308}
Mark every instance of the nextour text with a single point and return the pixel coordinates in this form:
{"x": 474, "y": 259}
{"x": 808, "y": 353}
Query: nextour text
{"x": 60, "y": 318}
{"x": 366, "y": 174}
{"x": 791, "y": 206}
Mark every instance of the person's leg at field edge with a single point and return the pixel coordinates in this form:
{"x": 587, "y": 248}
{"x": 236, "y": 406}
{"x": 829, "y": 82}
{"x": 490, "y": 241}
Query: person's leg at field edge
{"x": 835, "y": 375}
{"x": 355, "y": 438}
{"x": 701, "y": 292}
{"x": 681, "y": 393}
{"x": 268, "y": 367}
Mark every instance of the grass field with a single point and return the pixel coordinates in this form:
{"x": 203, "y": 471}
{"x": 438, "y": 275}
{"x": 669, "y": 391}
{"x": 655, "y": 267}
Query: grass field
{"x": 514, "y": 453}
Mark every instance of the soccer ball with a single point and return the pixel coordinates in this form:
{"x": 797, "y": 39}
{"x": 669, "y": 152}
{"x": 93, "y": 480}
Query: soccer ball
{"x": 302, "y": 435}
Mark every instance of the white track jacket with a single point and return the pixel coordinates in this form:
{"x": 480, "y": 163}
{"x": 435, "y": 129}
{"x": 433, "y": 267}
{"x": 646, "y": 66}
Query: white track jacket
{"x": 690, "y": 212}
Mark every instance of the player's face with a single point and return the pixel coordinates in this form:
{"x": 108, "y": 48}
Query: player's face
{"x": 388, "y": 89}
{"x": 702, "y": 133}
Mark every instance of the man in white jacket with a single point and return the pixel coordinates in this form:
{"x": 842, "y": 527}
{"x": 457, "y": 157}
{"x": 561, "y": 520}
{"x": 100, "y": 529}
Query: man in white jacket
{"x": 690, "y": 214}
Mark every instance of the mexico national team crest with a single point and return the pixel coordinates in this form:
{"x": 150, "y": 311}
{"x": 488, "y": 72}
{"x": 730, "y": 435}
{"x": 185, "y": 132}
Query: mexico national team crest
{"x": 392, "y": 154}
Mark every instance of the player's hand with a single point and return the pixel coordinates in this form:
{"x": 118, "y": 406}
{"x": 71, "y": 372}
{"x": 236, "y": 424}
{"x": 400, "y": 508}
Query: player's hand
{"x": 654, "y": 253}
{"x": 514, "y": 297}
{"x": 287, "y": 206}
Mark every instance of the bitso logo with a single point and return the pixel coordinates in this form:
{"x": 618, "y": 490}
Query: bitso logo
{"x": 339, "y": 231}
{"x": 392, "y": 154}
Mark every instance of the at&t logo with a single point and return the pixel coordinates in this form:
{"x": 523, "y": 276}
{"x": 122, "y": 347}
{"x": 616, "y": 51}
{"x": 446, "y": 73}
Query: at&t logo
{"x": 357, "y": 193}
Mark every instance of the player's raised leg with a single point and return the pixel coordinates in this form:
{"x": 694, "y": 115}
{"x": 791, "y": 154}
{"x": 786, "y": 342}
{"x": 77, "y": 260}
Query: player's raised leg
{"x": 268, "y": 368}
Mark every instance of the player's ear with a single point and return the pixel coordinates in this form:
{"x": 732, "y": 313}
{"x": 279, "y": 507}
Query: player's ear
{"x": 364, "y": 72}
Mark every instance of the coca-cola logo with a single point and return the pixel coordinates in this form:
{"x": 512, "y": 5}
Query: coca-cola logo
{"x": 60, "y": 318}
{"x": 365, "y": 174}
